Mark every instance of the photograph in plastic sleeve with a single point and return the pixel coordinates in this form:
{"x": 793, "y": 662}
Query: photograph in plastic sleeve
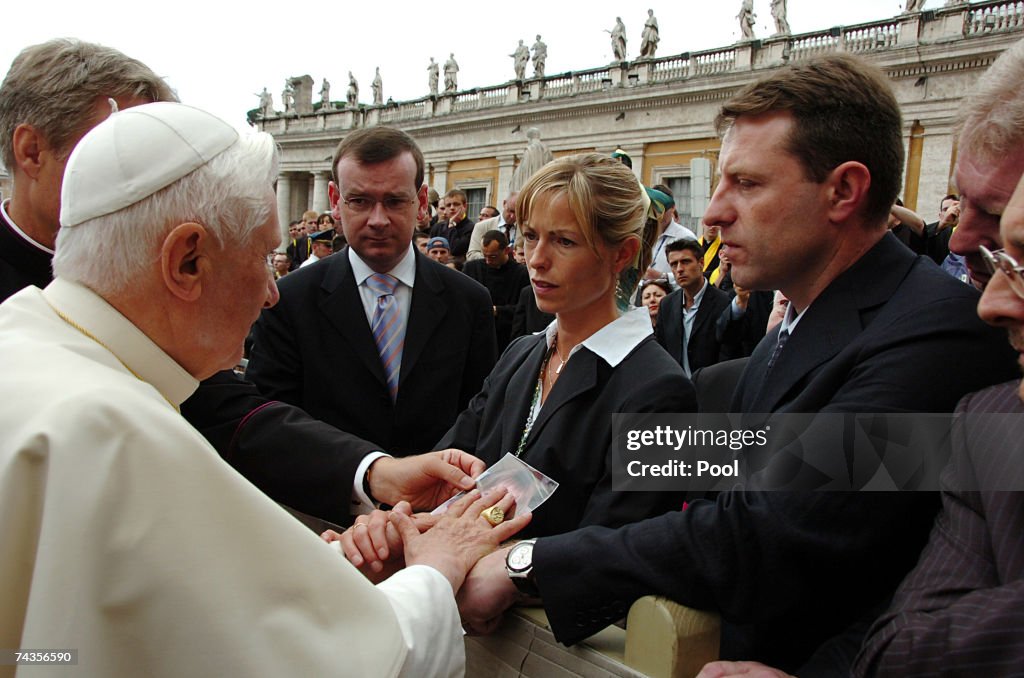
{"x": 530, "y": 487}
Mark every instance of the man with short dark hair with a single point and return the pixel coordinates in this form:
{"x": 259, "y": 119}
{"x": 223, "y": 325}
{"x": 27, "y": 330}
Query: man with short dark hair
{"x": 281, "y": 263}
{"x": 487, "y": 212}
{"x": 505, "y": 222}
{"x": 300, "y": 247}
{"x": 687, "y": 318}
{"x": 459, "y": 227}
{"x": 411, "y": 338}
{"x": 503, "y": 277}
{"x": 811, "y": 162}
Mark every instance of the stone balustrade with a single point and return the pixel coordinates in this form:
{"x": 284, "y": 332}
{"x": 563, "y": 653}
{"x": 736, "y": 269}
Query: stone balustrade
{"x": 955, "y": 22}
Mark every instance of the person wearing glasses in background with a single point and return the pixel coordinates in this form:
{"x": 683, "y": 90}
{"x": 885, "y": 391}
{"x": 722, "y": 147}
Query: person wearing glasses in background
{"x": 442, "y": 344}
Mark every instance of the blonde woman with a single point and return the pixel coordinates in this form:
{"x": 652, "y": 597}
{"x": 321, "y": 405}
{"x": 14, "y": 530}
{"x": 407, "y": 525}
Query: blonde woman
{"x": 551, "y": 397}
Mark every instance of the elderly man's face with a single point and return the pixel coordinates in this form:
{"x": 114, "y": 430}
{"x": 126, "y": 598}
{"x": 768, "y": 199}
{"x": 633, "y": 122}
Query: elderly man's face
{"x": 508, "y": 208}
{"x": 985, "y": 189}
{"x": 1002, "y": 304}
{"x": 379, "y": 234}
{"x": 241, "y": 287}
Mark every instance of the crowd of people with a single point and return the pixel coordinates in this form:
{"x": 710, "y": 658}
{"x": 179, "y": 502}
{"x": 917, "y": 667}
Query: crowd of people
{"x": 396, "y": 348}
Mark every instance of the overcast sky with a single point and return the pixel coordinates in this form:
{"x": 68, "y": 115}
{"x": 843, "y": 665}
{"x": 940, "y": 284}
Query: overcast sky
{"x": 219, "y": 53}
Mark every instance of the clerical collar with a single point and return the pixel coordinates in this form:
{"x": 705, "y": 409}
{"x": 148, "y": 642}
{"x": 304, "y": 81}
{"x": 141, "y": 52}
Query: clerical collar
{"x": 24, "y": 236}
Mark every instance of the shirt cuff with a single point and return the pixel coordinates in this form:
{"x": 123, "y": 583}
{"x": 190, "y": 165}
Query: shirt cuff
{"x": 361, "y": 503}
{"x": 735, "y": 311}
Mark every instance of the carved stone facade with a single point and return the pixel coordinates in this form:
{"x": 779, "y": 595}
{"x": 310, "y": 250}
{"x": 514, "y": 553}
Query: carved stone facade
{"x": 660, "y": 111}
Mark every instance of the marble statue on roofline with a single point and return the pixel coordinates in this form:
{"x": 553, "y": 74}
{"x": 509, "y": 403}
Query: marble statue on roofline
{"x": 649, "y": 38}
{"x": 325, "y": 95}
{"x": 451, "y": 73}
{"x": 914, "y": 6}
{"x": 378, "y": 88}
{"x": 536, "y": 156}
{"x": 618, "y": 34}
{"x": 288, "y": 97}
{"x": 747, "y": 19}
{"x": 266, "y": 104}
{"x": 540, "y": 57}
{"x": 352, "y": 95}
{"x": 433, "y": 74}
{"x": 779, "y": 14}
{"x": 521, "y": 55}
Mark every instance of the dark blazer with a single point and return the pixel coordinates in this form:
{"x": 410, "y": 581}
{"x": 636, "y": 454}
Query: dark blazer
{"x": 504, "y": 284}
{"x": 789, "y": 570}
{"x": 702, "y": 346}
{"x": 961, "y": 610}
{"x": 571, "y": 440}
{"x": 458, "y": 235}
{"x": 315, "y": 350}
{"x": 294, "y": 459}
{"x": 527, "y": 318}
{"x": 299, "y": 250}
{"x": 737, "y": 338}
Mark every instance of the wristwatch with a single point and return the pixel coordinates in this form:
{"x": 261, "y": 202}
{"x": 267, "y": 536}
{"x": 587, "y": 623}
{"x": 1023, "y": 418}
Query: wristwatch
{"x": 519, "y": 565}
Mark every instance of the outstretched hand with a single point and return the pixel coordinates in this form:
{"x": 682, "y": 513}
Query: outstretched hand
{"x": 423, "y": 480}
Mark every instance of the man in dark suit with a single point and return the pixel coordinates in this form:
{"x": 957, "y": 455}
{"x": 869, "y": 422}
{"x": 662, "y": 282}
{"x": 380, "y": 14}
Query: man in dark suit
{"x": 441, "y": 341}
{"x": 811, "y": 161}
{"x": 503, "y": 277}
{"x": 687, "y": 317}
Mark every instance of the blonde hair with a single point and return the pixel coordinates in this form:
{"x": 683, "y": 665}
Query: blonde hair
{"x": 604, "y": 196}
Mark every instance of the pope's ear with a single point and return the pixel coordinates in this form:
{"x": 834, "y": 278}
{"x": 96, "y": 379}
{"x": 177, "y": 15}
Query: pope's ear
{"x": 185, "y": 260}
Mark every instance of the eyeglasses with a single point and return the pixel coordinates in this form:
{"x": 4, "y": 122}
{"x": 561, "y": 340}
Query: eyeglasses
{"x": 1001, "y": 261}
{"x": 361, "y": 204}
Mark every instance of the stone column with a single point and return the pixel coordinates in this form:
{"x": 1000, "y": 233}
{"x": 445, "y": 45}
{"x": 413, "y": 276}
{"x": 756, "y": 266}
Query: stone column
{"x": 440, "y": 177}
{"x": 321, "y": 203}
{"x": 506, "y": 167}
{"x": 284, "y": 202}
{"x": 936, "y": 164}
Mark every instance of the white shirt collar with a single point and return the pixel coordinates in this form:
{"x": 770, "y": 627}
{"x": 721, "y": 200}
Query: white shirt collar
{"x": 24, "y": 236}
{"x": 405, "y": 270}
{"x": 128, "y": 343}
{"x": 700, "y": 295}
{"x": 791, "y": 318}
{"x": 616, "y": 340}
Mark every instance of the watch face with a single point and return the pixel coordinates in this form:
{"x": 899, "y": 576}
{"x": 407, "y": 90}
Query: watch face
{"x": 521, "y": 556}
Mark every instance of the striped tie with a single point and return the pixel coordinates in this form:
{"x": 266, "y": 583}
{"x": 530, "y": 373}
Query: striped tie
{"x": 388, "y": 328}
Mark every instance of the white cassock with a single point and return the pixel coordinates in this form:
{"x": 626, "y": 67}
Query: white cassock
{"x": 125, "y": 535}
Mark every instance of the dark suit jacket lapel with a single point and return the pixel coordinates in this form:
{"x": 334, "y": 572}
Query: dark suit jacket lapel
{"x": 578, "y": 376}
{"x": 834, "y": 319}
{"x": 344, "y": 310}
{"x": 427, "y": 313}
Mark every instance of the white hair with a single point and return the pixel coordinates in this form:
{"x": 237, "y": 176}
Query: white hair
{"x": 991, "y": 118}
{"x": 228, "y": 196}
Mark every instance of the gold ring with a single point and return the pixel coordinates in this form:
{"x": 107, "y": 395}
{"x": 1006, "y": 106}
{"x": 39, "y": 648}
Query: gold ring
{"x": 493, "y": 515}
